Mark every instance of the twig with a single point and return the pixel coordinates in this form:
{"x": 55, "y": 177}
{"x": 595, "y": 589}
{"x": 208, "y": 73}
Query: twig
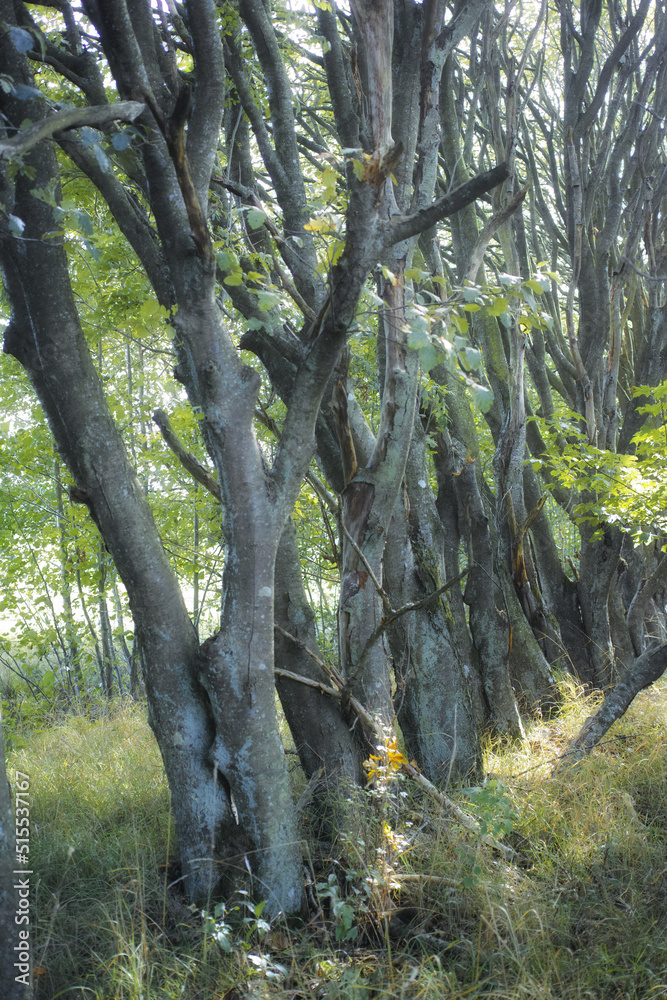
{"x": 378, "y": 586}
{"x": 198, "y": 472}
{"x": 248, "y": 195}
{"x": 464, "y": 818}
{"x": 331, "y": 672}
{"x": 388, "y": 619}
{"x": 332, "y": 692}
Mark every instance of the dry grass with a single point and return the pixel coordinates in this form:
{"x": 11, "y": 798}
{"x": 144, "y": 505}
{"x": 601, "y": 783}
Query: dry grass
{"x": 580, "y": 912}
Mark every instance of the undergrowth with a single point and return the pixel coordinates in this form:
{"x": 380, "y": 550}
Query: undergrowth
{"x": 407, "y": 906}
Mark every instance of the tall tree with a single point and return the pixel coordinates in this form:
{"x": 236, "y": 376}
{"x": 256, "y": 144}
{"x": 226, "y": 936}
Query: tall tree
{"x": 211, "y": 707}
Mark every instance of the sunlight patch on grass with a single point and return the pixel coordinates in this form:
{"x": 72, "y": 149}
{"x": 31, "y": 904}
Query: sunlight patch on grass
{"x": 406, "y": 905}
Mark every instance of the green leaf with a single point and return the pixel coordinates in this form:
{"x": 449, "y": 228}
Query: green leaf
{"x": 498, "y": 306}
{"x": 256, "y": 218}
{"x": 21, "y": 40}
{"x": 318, "y": 226}
{"x": 482, "y": 396}
{"x": 267, "y": 300}
{"x": 48, "y": 683}
{"x": 235, "y": 278}
{"x": 460, "y": 323}
{"x": 328, "y": 179}
{"x": 472, "y": 357}
{"x": 121, "y": 140}
{"x": 103, "y": 161}
{"x": 417, "y": 337}
{"x": 16, "y": 225}
{"x": 430, "y": 356}
{"x": 414, "y": 274}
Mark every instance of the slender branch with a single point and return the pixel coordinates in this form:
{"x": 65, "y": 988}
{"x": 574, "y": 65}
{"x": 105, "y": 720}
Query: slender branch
{"x": 393, "y": 615}
{"x": 378, "y": 586}
{"x": 323, "y": 493}
{"x": 260, "y": 24}
{"x": 239, "y": 77}
{"x": 487, "y": 233}
{"x": 96, "y": 116}
{"x": 461, "y": 24}
{"x": 338, "y": 78}
{"x": 128, "y": 212}
{"x": 464, "y": 818}
{"x": 188, "y": 461}
{"x": 307, "y": 681}
{"x": 320, "y": 489}
{"x": 611, "y": 63}
{"x": 249, "y": 196}
{"x": 331, "y": 672}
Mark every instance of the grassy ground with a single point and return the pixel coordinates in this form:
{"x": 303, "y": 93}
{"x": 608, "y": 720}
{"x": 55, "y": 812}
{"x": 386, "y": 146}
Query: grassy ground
{"x": 417, "y": 911}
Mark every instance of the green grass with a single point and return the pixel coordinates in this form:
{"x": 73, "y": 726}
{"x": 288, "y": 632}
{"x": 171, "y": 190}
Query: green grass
{"x": 579, "y": 912}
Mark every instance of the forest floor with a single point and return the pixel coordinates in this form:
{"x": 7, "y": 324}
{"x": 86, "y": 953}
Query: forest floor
{"x": 408, "y": 905}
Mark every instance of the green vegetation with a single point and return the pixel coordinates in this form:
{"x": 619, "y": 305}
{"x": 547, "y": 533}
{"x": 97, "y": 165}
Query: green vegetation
{"x": 333, "y": 410}
{"x": 419, "y": 910}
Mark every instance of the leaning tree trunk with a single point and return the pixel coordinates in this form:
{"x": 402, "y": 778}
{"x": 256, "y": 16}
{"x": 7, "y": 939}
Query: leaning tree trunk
{"x": 46, "y": 338}
{"x": 647, "y": 669}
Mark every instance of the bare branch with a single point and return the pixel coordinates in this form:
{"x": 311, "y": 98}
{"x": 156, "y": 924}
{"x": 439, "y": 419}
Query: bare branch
{"x": 486, "y": 235}
{"x": 308, "y": 681}
{"x": 587, "y": 118}
{"x": 330, "y": 672}
{"x": 464, "y": 818}
{"x": 402, "y": 227}
{"x": 95, "y": 117}
{"x": 378, "y": 586}
{"x": 188, "y": 461}
{"x": 650, "y": 666}
{"x": 393, "y": 615}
